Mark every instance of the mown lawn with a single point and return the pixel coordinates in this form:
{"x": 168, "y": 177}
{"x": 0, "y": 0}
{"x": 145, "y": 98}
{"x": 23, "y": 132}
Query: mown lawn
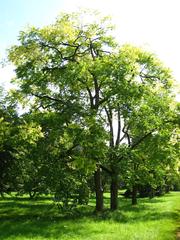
{"x": 155, "y": 219}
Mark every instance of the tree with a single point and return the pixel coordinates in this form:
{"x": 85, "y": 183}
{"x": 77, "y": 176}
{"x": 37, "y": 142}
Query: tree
{"x": 58, "y": 68}
{"x": 16, "y": 138}
{"x": 139, "y": 106}
{"x": 77, "y": 69}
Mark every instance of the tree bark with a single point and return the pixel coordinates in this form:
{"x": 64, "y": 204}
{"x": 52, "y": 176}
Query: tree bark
{"x": 98, "y": 190}
{"x": 114, "y": 192}
{"x": 134, "y": 195}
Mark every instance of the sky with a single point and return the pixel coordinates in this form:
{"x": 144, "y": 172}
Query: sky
{"x": 152, "y": 24}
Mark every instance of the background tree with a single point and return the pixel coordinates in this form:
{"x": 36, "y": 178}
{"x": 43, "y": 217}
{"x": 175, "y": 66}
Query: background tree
{"x": 16, "y": 138}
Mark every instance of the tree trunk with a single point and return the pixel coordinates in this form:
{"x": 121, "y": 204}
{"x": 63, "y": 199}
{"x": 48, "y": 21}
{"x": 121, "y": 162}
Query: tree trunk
{"x": 2, "y": 195}
{"x": 134, "y": 195}
{"x": 152, "y": 193}
{"x": 32, "y": 194}
{"x": 99, "y": 190}
{"x": 114, "y": 193}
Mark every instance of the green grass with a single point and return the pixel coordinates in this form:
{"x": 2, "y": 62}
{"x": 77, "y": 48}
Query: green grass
{"x": 155, "y": 219}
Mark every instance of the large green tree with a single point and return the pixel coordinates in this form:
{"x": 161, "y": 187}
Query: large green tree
{"x": 75, "y": 68}
{"x": 61, "y": 66}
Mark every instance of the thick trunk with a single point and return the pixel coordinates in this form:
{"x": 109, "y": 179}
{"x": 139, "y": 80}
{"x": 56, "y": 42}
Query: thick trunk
{"x": 134, "y": 195}
{"x": 114, "y": 193}
{"x": 99, "y": 190}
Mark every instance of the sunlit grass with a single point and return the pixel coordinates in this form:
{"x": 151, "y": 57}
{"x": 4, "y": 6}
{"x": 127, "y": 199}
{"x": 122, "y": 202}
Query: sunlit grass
{"x": 155, "y": 219}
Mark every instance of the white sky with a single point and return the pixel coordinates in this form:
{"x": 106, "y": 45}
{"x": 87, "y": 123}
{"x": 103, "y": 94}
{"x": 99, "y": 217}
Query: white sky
{"x": 153, "y": 24}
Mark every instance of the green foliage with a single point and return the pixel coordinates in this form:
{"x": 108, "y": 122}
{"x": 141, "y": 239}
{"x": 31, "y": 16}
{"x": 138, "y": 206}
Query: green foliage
{"x": 17, "y": 137}
{"x": 77, "y": 83}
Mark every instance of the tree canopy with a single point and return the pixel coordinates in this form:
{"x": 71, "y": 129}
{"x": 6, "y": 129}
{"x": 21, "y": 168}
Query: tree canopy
{"x": 100, "y": 107}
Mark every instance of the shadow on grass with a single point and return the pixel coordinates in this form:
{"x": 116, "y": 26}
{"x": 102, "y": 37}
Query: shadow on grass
{"x": 38, "y": 220}
{"x": 33, "y": 229}
{"x": 60, "y": 227}
{"x": 20, "y": 220}
{"x": 121, "y": 217}
{"x": 25, "y": 198}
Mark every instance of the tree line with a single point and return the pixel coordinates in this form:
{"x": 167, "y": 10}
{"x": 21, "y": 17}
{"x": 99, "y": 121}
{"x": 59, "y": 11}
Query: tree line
{"x": 99, "y": 116}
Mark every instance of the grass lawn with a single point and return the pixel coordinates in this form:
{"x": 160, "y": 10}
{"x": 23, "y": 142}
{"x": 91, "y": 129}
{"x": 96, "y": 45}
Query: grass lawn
{"x": 155, "y": 219}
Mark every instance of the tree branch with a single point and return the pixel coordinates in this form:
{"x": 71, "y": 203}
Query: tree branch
{"x": 43, "y": 44}
{"x": 105, "y": 169}
{"x": 91, "y": 50}
{"x": 90, "y": 97}
{"x": 109, "y": 116}
{"x": 50, "y": 98}
{"x": 125, "y": 133}
{"x": 96, "y": 89}
{"x": 119, "y": 128}
{"x": 142, "y": 139}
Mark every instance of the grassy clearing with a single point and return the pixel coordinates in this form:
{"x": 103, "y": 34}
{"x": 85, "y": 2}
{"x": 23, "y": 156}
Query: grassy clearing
{"x": 155, "y": 219}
